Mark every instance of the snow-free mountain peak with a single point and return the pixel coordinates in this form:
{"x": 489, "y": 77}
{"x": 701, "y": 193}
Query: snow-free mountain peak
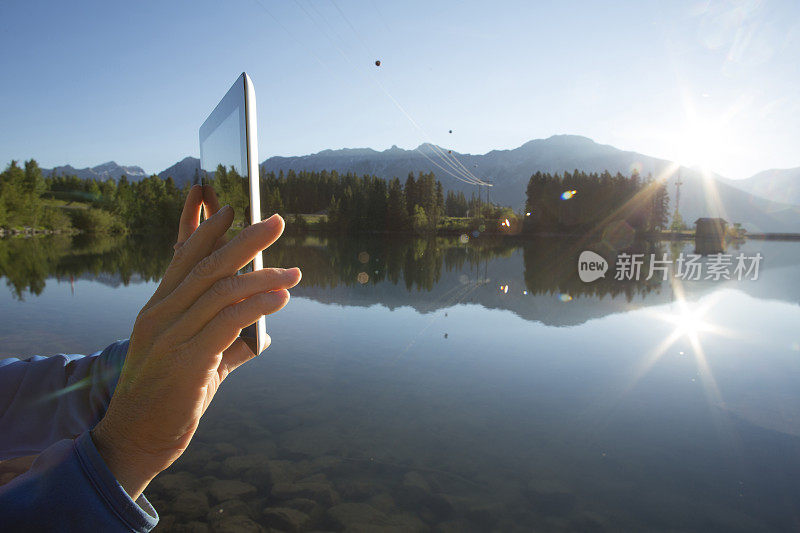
{"x": 509, "y": 171}
{"x": 776, "y": 184}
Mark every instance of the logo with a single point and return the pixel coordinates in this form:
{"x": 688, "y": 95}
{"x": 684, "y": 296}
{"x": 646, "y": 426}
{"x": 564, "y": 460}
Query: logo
{"x": 591, "y": 266}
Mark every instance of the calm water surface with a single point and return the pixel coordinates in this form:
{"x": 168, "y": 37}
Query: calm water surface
{"x": 438, "y": 386}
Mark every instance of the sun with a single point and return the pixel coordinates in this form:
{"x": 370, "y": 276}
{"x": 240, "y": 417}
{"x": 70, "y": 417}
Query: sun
{"x": 706, "y": 135}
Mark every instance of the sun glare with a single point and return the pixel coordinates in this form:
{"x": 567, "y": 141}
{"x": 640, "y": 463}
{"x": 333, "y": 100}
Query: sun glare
{"x": 691, "y": 323}
{"x": 703, "y": 142}
{"x": 688, "y": 322}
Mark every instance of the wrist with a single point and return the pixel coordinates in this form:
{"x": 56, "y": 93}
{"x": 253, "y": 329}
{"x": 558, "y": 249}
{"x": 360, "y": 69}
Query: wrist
{"x": 134, "y": 471}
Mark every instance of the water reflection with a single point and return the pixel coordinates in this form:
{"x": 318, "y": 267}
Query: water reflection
{"x": 437, "y": 385}
{"x": 528, "y": 277}
{"x": 26, "y": 264}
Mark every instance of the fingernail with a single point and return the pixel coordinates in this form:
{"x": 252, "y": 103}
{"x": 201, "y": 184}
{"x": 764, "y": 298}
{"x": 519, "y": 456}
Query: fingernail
{"x": 272, "y": 219}
{"x": 225, "y": 209}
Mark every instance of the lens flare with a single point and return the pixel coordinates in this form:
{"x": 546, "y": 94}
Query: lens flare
{"x": 566, "y": 195}
{"x": 689, "y": 321}
{"x": 565, "y": 297}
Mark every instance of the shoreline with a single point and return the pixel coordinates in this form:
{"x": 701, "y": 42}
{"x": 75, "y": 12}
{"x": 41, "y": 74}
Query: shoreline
{"x": 661, "y": 236}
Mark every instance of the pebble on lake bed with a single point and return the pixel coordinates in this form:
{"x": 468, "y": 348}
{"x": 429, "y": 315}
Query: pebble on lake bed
{"x": 191, "y": 504}
{"x": 286, "y": 519}
{"x": 229, "y": 489}
{"x": 322, "y": 493}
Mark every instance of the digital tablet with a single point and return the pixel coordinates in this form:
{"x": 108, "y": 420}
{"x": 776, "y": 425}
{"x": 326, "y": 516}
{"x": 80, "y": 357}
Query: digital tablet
{"x": 229, "y": 141}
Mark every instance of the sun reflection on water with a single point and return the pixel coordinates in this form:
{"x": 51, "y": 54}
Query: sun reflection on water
{"x": 692, "y": 322}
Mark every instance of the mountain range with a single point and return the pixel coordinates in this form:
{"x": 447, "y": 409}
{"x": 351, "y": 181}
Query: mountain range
{"x": 778, "y": 184}
{"x": 764, "y": 202}
{"x": 100, "y": 172}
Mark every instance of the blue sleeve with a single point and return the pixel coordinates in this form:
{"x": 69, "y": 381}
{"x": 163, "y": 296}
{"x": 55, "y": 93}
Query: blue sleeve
{"x": 69, "y": 488}
{"x": 45, "y": 402}
{"x": 47, "y": 399}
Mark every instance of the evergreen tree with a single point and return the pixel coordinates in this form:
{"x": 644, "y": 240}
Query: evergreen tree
{"x": 456, "y": 204}
{"x": 411, "y": 194}
{"x": 34, "y": 180}
{"x": 396, "y": 211}
{"x": 123, "y": 198}
{"x": 596, "y": 200}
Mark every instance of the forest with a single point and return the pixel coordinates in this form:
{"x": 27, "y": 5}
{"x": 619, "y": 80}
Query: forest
{"x": 361, "y": 204}
{"x": 28, "y": 199}
{"x": 351, "y": 203}
{"x": 579, "y": 203}
{"x": 569, "y": 203}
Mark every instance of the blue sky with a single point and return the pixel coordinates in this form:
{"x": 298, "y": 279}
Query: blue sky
{"x": 704, "y": 83}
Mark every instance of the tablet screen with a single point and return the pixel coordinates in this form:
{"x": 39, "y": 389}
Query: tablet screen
{"x": 223, "y": 152}
{"x": 224, "y": 161}
{"x": 225, "y": 146}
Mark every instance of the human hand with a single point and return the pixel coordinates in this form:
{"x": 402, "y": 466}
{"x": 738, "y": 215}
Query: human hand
{"x": 200, "y": 197}
{"x": 185, "y": 342}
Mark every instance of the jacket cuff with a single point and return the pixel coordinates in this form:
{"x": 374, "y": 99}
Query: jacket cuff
{"x": 138, "y": 515}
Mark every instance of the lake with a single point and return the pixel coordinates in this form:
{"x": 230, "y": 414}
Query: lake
{"x": 441, "y": 385}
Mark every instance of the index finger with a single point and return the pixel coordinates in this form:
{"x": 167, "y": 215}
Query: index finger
{"x": 190, "y": 217}
{"x": 197, "y": 246}
{"x": 223, "y": 263}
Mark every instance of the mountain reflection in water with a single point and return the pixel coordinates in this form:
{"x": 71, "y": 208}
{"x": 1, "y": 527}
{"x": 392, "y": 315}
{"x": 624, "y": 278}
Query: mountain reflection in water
{"x": 436, "y": 385}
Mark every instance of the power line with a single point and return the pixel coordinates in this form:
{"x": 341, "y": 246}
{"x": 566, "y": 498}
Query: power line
{"x": 452, "y": 161}
{"x": 459, "y": 172}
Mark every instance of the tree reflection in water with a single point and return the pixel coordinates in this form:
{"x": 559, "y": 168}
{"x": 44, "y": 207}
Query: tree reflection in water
{"x": 27, "y": 263}
{"x": 417, "y": 264}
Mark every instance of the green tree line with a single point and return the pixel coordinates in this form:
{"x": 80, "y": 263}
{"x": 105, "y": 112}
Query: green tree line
{"x": 356, "y": 204}
{"x": 580, "y": 202}
{"x": 145, "y": 206}
{"x": 62, "y": 203}
{"x": 353, "y": 204}
{"x": 21, "y": 189}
